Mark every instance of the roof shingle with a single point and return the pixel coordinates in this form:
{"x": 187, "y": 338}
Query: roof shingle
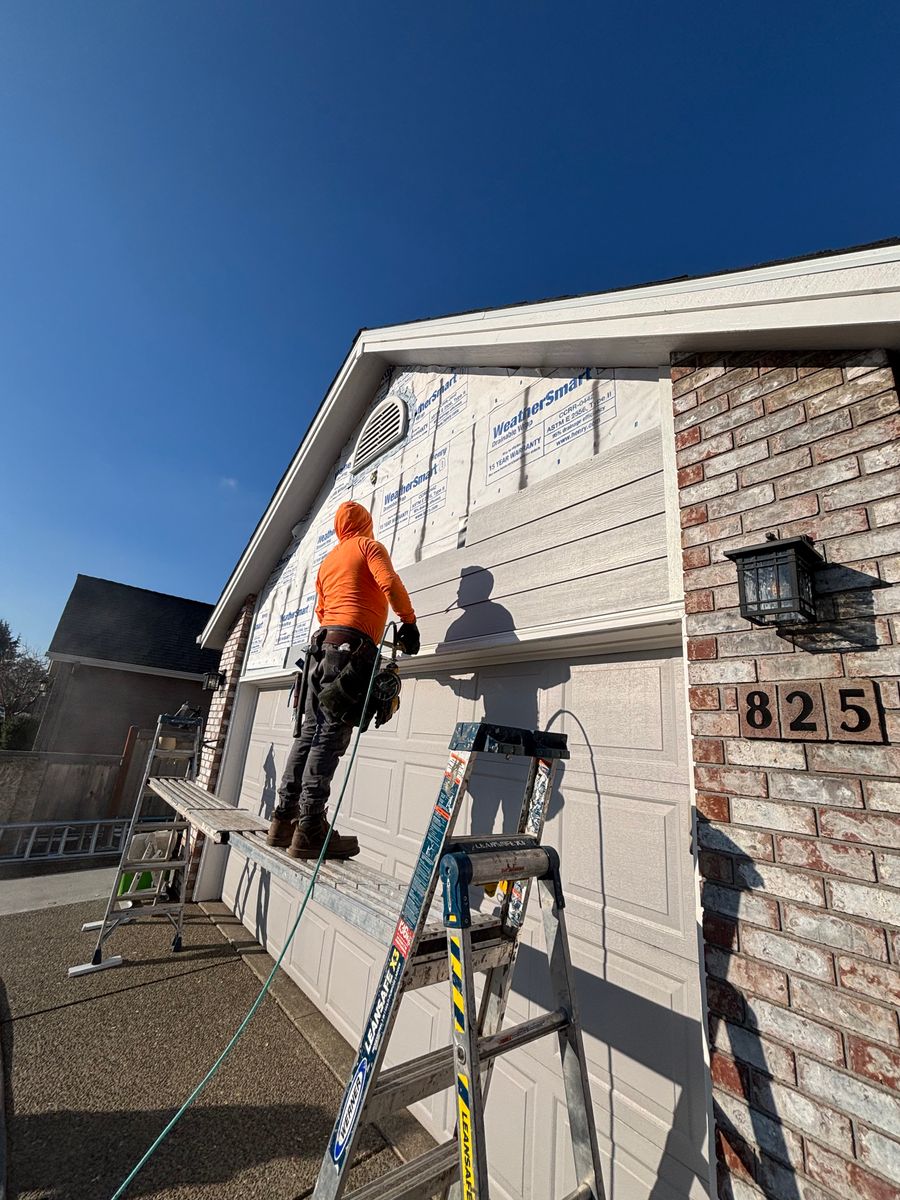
{"x": 119, "y": 623}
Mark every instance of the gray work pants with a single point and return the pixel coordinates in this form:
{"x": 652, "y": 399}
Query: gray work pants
{"x": 315, "y": 754}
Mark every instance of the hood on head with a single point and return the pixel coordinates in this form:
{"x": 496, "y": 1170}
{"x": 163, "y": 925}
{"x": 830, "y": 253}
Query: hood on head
{"x": 352, "y": 520}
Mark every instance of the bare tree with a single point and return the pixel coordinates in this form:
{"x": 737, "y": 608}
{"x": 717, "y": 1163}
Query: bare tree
{"x": 22, "y": 672}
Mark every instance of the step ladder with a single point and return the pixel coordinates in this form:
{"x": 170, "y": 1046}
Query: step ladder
{"x": 174, "y": 752}
{"x": 507, "y": 864}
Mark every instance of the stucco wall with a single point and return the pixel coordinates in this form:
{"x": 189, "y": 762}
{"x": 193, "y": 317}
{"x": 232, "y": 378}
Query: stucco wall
{"x": 90, "y": 709}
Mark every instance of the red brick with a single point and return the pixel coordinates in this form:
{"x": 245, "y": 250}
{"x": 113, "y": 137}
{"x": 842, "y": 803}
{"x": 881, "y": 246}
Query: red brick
{"x": 749, "y": 975}
{"x": 726, "y": 1073}
{"x": 794, "y": 956}
{"x": 726, "y": 597}
{"x": 701, "y": 601}
{"x": 701, "y": 413}
{"x": 877, "y": 433}
{"x": 846, "y": 1179}
{"x": 713, "y": 807}
{"x": 691, "y": 474}
{"x": 829, "y": 857}
{"x": 812, "y": 382}
{"x": 881, "y": 983}
{"x": 707, "y": 449}
{"x": 715, "y": 724}
{"x": 820, "y": 527}
{"x": 717, "y": 867}
{"x": 698, "y": 492}
{"x": 695, "y": 515}
{"x": 704, "y": 697}
{"x": 720, "y": 931}
{"x": 781, "y": 466}
{"x": 729, "y": 698}
{"x": 714, "y": 531}
{"x": 742, "y": 783}
{"x": 840, "y": 1008}
{"x": 701, "y": 648}
{"x": 737, "y": 414}
{"x": 746, "y": 498}
{"x": 875, "y": 1062}
{"x": 708, "y": 750}
{"x": 696, "y": 556}
{"x": 724, "y": 999}
{"x": 795, "y": 509}
{"x": 731, "y": 379}
{"x": 872, "y": 829}
{"x": 687, "y": 437}
{"x": 736, "y": 1157}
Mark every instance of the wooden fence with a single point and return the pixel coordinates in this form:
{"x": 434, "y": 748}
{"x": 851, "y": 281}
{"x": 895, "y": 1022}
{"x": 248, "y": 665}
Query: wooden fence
{"x": 49, "y": 787}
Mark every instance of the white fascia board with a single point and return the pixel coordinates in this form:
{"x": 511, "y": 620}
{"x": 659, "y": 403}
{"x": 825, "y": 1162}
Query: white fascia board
{"x": 842, "y": 301}
{"x": 109, "y": 665}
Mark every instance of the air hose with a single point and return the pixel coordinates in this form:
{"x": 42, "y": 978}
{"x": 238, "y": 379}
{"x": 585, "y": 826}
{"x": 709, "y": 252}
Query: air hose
{"x": 214, "y": 1069}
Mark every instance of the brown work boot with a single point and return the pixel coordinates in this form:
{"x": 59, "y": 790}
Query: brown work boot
{"x": 307, "y": 841}
{"x": 281, "y": 830}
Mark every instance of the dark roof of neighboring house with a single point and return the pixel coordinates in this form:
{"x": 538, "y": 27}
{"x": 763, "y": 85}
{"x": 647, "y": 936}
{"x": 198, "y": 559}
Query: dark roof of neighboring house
{"x": 123, "y": 624}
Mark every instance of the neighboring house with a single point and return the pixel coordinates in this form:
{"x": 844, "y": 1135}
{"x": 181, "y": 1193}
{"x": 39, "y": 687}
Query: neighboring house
{"x": 558, "y": 483}
{"x": 120, "y": 656}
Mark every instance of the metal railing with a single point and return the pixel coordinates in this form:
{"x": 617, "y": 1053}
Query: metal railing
{"x": 50, "y": 841}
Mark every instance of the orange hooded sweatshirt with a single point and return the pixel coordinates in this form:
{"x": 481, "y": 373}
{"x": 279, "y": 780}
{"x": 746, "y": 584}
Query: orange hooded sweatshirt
{"x": 357, "y": 578}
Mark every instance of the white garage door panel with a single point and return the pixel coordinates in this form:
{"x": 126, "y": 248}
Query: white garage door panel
{"x": 620, "y": 818}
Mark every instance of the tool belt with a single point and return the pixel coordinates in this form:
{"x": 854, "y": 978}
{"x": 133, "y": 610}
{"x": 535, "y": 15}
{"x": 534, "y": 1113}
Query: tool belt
{"x": 344, "y": 698}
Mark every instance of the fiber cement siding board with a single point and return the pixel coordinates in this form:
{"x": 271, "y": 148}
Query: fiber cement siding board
{"x": 628, "y": 876}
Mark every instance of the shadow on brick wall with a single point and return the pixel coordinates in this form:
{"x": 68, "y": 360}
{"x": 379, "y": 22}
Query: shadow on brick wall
{"x": 750, "y": 1143}
{"x": 845, "y": 613}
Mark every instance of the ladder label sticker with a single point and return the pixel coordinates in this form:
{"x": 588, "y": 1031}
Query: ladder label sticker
{"x": 403, "y": 937}
{"x": 347, "y": 1118}
{"x": 371, "y": 1044}
{"x": 466, "y": 1159}
{"x": 423, "y": 874}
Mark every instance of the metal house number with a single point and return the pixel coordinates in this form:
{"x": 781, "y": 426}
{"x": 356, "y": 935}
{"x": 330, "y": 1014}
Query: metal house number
{"x": 837, "y": 710}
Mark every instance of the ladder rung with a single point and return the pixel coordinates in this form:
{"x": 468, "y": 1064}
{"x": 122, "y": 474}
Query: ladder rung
{"x": 433, "y": 967}
{"x": 421, "y": 1077}
{"x": 152, "y": 864}
{"x": 143, "y": 910}
{"x": 584, "y": 1191}
{"x": 417, "y": 1179}
{"x": 161, "y": 826}
{"x": 159, "y": 753}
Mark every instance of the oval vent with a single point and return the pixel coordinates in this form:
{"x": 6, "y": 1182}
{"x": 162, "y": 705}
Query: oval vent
{"x": 384, "y": 428}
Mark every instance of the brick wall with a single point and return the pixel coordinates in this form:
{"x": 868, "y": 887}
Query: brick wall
{"x": 223, "y": 700}
{"x": 799, "y": 841}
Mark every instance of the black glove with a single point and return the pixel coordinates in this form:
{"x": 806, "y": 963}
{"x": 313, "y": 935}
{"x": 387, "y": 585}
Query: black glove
{"x": 408, "y": 638}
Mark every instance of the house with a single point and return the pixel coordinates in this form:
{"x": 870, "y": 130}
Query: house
{"x": 120, "y": 656}
{"x": 559, "y": 484}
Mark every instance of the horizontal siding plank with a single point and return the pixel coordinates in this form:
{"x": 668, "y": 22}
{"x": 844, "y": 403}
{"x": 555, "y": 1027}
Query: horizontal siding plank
{"x": 600, "y": 553}
{"x": 570, "y": 600}
{"x": 615, "y": 468}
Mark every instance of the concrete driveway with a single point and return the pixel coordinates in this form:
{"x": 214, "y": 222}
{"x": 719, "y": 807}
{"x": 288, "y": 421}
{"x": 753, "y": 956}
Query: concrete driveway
{"x": 94, "y": 1067}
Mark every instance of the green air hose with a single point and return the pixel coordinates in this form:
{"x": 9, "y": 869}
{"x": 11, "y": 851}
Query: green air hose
{"x": 213, "y": 1070}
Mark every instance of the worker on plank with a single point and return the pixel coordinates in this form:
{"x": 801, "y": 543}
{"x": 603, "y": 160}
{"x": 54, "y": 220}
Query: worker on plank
{"x": 354, "y": 585}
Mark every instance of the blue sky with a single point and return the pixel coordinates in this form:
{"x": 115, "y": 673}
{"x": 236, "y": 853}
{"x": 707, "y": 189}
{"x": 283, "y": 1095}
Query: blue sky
{"x": 202, "y": 203}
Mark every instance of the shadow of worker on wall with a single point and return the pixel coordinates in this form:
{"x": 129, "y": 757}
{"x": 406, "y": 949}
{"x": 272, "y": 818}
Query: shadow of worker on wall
{"x": 509, "y": 696}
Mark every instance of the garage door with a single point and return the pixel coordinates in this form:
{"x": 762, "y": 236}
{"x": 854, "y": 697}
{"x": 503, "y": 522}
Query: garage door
{"x": 620, "y": 819}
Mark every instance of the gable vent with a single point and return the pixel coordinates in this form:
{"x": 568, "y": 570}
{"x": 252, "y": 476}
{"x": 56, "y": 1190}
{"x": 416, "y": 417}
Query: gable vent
{"x": 384, "y": 428}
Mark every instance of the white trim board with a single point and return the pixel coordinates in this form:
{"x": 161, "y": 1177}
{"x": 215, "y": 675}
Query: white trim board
{"x": 108, "y": 664}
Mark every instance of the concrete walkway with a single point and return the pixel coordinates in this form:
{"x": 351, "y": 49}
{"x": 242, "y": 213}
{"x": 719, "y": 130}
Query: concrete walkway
{"x": 47, "y": 891}
{"x": 95, "y": 1066}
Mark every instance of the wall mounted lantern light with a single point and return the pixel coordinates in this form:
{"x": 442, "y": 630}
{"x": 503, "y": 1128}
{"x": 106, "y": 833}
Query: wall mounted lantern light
{"x": 776, "y": 580}
{"x": 213, "y": 680}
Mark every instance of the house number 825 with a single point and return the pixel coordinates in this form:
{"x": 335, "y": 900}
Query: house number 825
{"x": 841, "y": 710}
